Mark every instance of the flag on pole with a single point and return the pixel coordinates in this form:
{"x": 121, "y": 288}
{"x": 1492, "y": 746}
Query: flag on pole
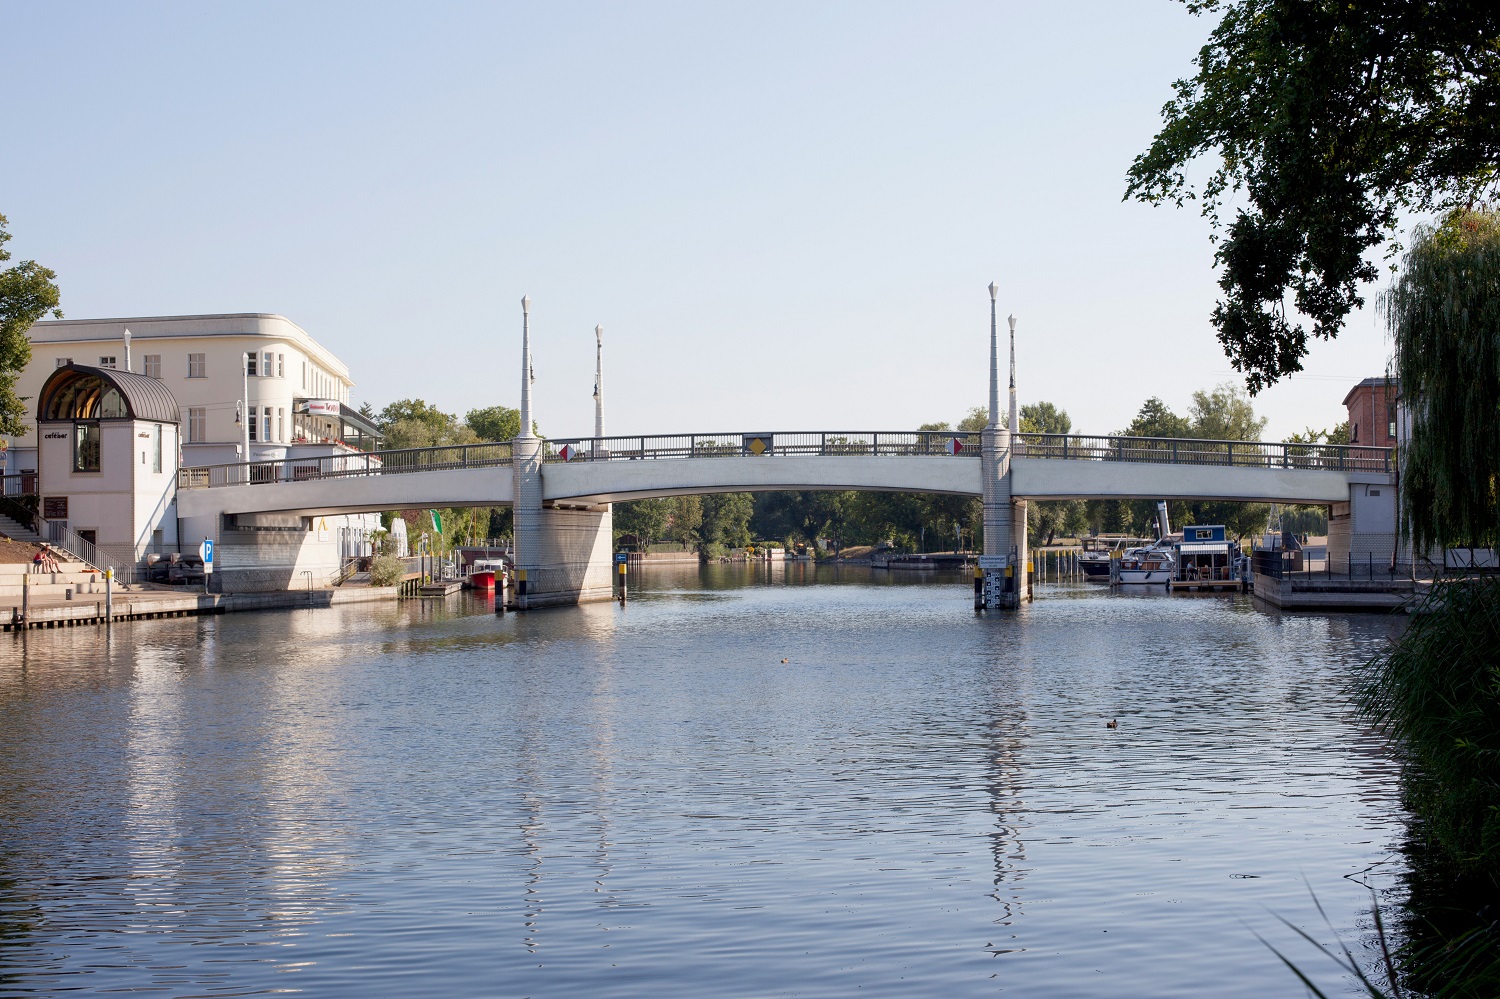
{"x": 437, "y": 522}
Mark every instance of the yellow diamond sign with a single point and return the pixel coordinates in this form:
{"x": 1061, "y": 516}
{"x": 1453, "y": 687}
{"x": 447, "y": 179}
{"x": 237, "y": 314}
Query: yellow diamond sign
{"x": 757, "y": 443}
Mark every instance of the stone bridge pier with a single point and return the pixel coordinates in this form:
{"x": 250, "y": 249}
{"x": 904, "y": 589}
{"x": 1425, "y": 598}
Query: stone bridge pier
{"x": 563, "y": 553}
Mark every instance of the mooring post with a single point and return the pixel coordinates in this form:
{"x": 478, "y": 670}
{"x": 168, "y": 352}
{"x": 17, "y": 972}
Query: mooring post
{"x": 109, "y": 596}
{"x": 25, "y": 598}
{"x": 623, "y": 583}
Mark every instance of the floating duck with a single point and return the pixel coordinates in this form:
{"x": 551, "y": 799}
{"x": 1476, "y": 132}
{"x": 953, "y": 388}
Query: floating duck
{"x": 1112, "y": 723}
{"x": 786, "y": 660}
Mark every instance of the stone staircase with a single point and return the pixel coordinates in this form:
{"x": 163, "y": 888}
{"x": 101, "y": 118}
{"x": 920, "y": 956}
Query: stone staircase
{"x": 17, "y": 531}
{"x": 71, "y": 581}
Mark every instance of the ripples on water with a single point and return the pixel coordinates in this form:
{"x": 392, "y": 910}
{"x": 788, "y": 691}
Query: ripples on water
{"x": 429, "y": 800}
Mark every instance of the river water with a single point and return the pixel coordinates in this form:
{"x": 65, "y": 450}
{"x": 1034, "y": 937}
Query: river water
{"x": 751, "y": 781}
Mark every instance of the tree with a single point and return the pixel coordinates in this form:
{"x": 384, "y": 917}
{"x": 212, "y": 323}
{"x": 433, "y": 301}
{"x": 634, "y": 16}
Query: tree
{"x": 726, "y": 521}
{"x": 1225, "y": 413}
{"x": 1327, "y": 122}
{"x": 415, "y": 423}
{"x": 1156, "y": 420}
{"x": 1444, "y": 315}
{"x": 1044, "y": 418}
{"x": 497, "y": 423}
{"x": 27, "y": 293}
{"x": 645, "y": 518}
{"x": 976, "y": 420}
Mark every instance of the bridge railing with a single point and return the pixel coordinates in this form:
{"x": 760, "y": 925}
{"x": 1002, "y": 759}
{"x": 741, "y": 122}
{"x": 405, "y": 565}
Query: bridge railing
{"x": 726, "y": 445}
{"x": 934, "y": 443}
{"x": 420, "y": 459}
{"x": 1187, "y": 451}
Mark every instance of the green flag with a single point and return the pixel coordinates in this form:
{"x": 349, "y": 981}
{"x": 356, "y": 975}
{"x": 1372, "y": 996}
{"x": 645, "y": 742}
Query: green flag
{"x": 437, "y": 522}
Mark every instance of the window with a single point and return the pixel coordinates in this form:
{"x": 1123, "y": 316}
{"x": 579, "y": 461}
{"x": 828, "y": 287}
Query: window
{"x": 197, "y": 424}
{"x": 266, "y": 436}
{"x": 1390, "y": 415}
{"x": 153, "y": 366}
{"x": 281, "y": 424}
{"x": 156, "y": 447}
{"x": 280, "y": 365}
{"x": 107, "y": 361}
{"x": 250, "y": 363}
{"x": 85, "y": 447}
{"x": 251, "y": 428}
{"x": 64, "y": 361}
{"x": 267, "y": 364}
{"x": 197, "y": 365}
{"x": 1354, "y": 434}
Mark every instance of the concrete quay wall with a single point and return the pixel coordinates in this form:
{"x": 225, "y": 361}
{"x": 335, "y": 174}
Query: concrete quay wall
{"x": 156, "y": 604}
{"x": 1334, "y": 594}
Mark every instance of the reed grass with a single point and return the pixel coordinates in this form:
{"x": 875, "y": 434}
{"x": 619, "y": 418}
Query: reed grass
{"x": 1436, "y": 693}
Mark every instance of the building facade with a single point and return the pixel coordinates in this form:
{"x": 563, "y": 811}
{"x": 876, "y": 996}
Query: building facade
{"x": 232, "y": 377}
{"x": 296, "y": 392}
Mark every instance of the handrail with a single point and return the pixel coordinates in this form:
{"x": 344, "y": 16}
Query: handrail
{"x": 1193, "y": 451}
{"x": 824, "y": 443}
{"x": 416, "y": 459}
{"x": 89, "y": 554}
{"x": 827, "y": 443}
{"x": 20, "y": 484}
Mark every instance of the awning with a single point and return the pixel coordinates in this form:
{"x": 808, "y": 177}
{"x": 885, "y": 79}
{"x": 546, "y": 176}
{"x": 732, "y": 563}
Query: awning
{"x": 330, "y": 409}
{"x": 1205, "y": 548}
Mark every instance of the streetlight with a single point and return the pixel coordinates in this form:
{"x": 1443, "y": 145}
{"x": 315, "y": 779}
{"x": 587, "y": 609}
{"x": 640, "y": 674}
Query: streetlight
{"x": 249, "y": 415}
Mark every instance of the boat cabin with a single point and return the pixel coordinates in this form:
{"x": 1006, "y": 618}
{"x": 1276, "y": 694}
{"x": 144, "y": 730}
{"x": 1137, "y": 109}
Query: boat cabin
{"x": 1206, "y": 556}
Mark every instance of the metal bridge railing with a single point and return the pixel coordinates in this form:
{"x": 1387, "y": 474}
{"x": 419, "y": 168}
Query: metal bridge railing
{"x": 1187, "y": 451}
{"x": 726, "y": 445}
{"x": 420, "y": 459}
{"x": 933, "y": 443}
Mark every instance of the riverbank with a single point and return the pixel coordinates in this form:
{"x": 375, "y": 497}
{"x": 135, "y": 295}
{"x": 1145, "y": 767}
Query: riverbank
{"x": 132, "y": 605}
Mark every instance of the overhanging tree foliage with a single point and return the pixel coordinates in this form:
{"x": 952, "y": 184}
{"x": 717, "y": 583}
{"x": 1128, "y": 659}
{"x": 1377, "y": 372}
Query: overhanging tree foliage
{"x": 1444, "y": 315}
{"x": 1328, "y": 120}
{"x": 27, "y": 293}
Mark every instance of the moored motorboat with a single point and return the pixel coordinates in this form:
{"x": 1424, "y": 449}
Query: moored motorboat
{"x": 1154, "y": 565}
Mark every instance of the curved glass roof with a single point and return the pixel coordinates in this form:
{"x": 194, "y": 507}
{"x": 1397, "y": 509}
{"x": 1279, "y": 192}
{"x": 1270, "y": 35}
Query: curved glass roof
{"x": 80, "y": 392}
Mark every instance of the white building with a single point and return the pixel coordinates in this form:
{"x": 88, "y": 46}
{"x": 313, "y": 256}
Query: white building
{"x": 232, "y": 376}
{"x": 108, "y": 461}
{"x": 298, "y": 391}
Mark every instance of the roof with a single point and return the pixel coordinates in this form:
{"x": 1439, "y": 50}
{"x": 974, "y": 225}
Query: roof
{"x": 1380, "y": 381}
{"x": 257, "y": 325}
{"x": 80, "y": 391}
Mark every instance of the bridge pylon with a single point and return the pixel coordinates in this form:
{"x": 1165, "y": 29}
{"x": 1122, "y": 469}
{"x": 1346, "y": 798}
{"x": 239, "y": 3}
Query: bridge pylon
{"x": 1005, "y": 554}
{"x": 562, "y": 552}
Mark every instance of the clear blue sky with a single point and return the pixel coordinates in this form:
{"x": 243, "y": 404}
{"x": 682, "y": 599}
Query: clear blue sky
{"x": 785, "y": 215}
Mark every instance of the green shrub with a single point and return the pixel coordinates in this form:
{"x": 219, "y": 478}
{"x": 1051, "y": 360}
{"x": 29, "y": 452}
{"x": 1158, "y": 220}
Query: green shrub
{"x": 386, "y": 570}
{"x": 1436, "y": 691}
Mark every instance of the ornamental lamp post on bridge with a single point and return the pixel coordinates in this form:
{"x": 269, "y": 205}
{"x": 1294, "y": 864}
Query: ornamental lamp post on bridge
{"x": 598, "y": 389}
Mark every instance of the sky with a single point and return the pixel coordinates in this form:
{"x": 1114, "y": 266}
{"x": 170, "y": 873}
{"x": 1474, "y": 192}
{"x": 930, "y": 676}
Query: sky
{"x": 785, "y": 216}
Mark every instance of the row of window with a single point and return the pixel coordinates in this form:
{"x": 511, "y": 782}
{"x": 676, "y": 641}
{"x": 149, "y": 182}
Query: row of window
{"x": 260, "y": 429}
{"x": 264, "y": 365}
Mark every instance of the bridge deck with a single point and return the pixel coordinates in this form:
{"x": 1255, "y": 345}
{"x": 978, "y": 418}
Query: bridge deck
{"x": 1045, "y": 466}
